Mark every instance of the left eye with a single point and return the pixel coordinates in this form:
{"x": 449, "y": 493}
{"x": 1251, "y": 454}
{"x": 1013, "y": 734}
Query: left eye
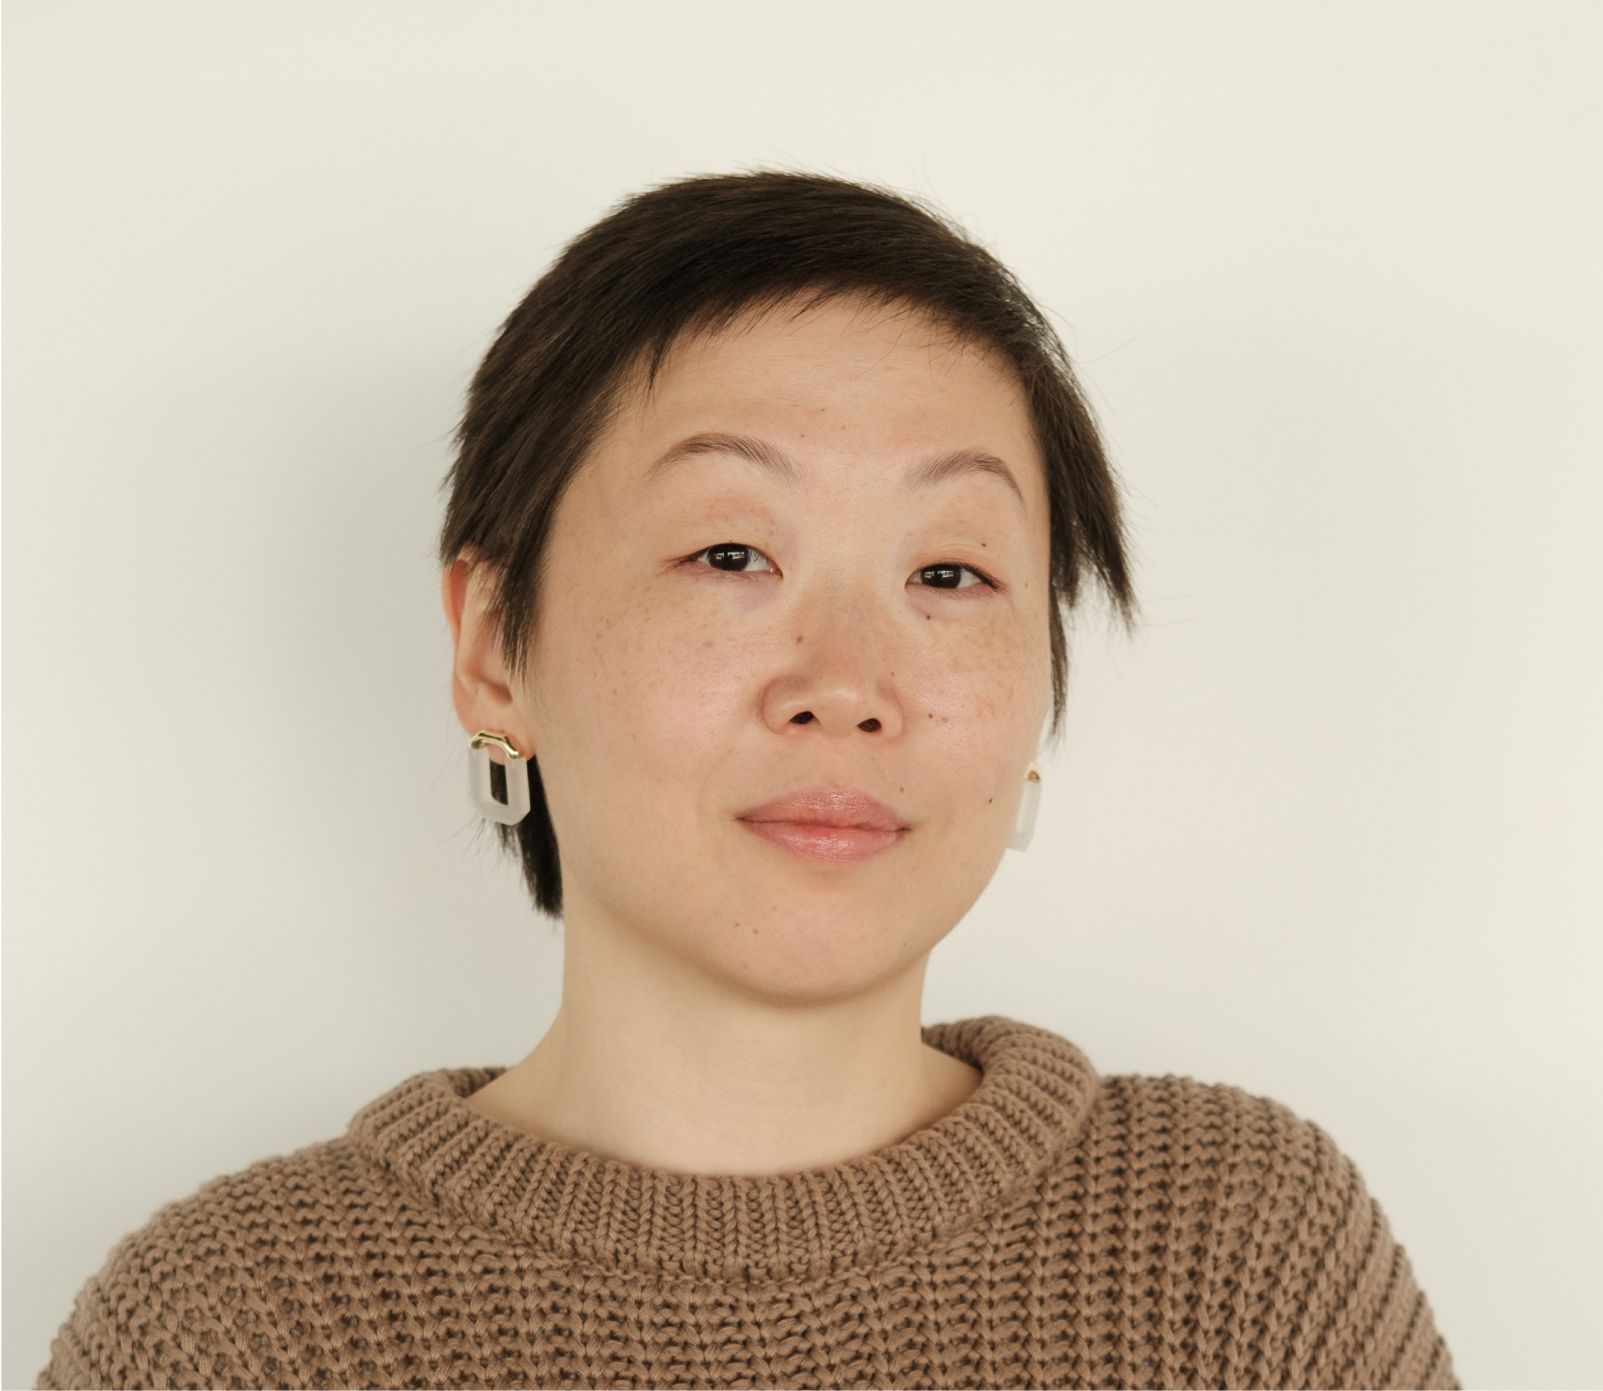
{"x": 954, "y": 568}
{"x": 737, "y": 555}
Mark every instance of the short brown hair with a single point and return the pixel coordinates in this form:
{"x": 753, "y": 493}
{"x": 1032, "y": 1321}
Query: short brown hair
{"x": 686, "y": 258}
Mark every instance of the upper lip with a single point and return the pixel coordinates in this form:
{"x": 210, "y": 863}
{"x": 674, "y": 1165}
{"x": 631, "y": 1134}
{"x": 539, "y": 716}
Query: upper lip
{"x": 828, "y": 806}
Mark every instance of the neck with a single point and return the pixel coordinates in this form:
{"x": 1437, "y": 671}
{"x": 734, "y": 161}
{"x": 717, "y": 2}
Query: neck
{"x": 684, "y": 1077}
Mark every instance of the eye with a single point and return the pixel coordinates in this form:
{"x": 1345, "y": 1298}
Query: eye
{"x": 731, "y": 557}
{"x": 729, "y": 551}
{"x": 954, "y": 568}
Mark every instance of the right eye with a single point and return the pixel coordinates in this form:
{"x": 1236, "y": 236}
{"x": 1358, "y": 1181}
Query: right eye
{"x": 728, "y": 557}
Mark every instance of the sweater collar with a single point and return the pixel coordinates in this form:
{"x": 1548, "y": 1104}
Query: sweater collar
{"x": 1034, "y": 1095}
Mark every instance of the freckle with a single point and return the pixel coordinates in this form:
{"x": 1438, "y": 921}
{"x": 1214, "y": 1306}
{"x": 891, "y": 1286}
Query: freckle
{"x": 989, "y": 800}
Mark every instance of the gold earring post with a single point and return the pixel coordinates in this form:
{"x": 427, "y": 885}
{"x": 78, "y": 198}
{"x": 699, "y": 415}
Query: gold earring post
{"x": 506, "y": 746}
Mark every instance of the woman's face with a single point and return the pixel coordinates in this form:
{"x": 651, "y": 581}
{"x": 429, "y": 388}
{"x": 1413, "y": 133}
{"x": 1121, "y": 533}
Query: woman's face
{"x": 671, "y": 688}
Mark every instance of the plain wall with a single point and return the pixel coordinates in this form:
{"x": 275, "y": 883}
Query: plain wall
{"x": 1327, "y": 828}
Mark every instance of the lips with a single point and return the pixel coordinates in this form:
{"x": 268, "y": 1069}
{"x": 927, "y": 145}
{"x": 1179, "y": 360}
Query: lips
{"x": 844, "y": 808}
{"x": 832, "y": 844}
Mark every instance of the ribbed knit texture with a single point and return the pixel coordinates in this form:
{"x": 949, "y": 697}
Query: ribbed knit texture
{"x": 1056, "y": 1229}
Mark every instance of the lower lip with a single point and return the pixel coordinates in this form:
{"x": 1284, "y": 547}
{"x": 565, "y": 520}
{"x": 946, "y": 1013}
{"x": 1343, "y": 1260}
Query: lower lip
{"x": 836, "y": 844}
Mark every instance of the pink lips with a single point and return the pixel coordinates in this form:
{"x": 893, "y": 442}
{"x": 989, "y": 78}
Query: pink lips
{"x": 837, "y": 825}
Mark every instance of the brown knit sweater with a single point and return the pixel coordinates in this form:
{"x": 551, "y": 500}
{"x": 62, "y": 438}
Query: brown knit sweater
{"x": 1057, "y": 1228}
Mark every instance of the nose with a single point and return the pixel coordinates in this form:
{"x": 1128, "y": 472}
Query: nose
{"x": 841, "y": 673}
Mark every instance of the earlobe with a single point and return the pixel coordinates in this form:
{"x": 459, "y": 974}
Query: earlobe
{"x": 482, "y": 700}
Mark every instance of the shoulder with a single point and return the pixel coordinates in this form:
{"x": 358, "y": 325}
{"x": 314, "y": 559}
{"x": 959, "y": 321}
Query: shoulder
{"x": 1290, "y": 1260}
{"x": 193, "y": 1296}
{"x": 1255, "y": 1143}
{"x": 1245, "y": 1175}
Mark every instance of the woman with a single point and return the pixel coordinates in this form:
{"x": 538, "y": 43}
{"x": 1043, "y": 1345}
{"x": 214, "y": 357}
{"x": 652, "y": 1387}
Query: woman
{"x": 770, "y": 498}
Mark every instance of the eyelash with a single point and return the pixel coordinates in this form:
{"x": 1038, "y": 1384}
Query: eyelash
{"x": 983, "y": 578}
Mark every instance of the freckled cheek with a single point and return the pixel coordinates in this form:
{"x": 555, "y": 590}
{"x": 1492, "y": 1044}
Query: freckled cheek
{"x": 980, "y": 717}
{"x": 663, "y": 681}
{"x": 994, "y": 674}
{"x": 976, "y": 708}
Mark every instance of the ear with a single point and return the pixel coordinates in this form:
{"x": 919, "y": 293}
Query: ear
{"x": 481, "y": 688}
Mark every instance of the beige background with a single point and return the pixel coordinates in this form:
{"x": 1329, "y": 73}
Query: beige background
{"x": 1327, "y": 830}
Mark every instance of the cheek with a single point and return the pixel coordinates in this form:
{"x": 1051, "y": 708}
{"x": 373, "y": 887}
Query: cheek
{"x": 655, "y": 684}
{"x": 983, "y": 685}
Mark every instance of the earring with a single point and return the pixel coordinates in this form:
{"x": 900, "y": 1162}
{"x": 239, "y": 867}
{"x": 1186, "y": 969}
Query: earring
{"x": 1024, "y": 826}
{"x": 516, "y": 806}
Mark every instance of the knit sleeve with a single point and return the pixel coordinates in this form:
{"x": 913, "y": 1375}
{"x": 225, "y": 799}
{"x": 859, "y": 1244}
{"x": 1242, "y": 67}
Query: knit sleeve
{"x": 92, "y": 1349}
{"x": 144, "y": 1320}
{"x": 1368, "y": 1323}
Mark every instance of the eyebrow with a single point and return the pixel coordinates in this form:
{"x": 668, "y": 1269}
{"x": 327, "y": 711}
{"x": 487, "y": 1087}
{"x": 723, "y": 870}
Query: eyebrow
{"x": 954, "y": 463}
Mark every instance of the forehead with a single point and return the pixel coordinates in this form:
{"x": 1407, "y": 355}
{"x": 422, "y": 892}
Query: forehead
{"x": 836, "y": 350}
{"x": 840, "y": 376}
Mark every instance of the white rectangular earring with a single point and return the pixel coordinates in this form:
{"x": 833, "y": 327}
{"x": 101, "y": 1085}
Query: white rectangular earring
{"x": 1029, "y": 800}
{"x": 516, "y": 806}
